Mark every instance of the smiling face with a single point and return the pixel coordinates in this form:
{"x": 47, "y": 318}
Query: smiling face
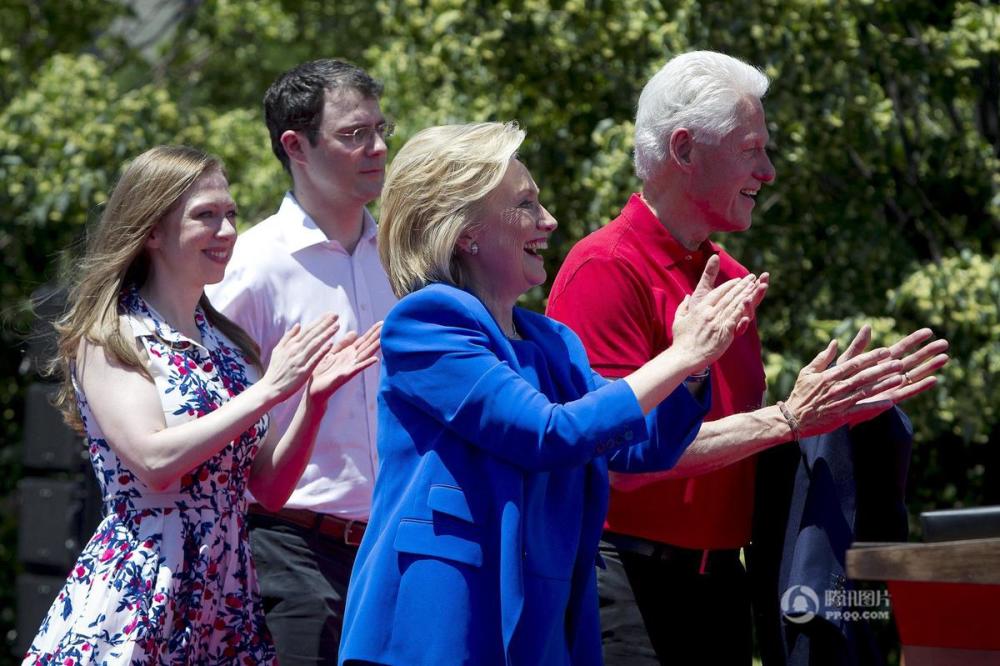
{"x": 337, "y": 165}
{"x": 512, "y": 230}
{"x": 194, "y": 240}
{"x": 725, "y": 178}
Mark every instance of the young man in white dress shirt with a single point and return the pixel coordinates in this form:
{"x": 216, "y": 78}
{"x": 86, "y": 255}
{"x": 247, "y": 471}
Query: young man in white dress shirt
{"x": 316, "y": 254}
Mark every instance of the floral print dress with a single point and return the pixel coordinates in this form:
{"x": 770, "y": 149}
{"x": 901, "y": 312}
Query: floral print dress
{"x": 168, "y": 576}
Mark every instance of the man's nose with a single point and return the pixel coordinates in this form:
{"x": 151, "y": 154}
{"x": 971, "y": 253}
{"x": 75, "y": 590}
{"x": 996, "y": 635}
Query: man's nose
{"x": 765, "y": 171}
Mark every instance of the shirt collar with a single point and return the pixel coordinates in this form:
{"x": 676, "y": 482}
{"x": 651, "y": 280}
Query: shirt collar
{"x": 670, "y": 252}
{"x": 300, "y": 230}
{"x": 369, "y": 230}
{"x": 147, "y": 322}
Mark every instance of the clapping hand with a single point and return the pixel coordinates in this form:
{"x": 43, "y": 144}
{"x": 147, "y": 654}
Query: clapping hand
{"x": 920, "y": 363}
{"x": 344, "y": 360}
{"x": 297, "y": 354}
{"x": 863, "y": 384}
{"x": 707, "y": 321}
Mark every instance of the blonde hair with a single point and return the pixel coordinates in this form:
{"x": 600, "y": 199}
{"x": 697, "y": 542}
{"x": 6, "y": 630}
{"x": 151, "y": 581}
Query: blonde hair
{"x": 431, "y": 195}
{"x": 115, "y": 260}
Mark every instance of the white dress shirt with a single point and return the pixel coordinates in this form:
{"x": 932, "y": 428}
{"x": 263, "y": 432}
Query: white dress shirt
{"x": 285, "y": 271}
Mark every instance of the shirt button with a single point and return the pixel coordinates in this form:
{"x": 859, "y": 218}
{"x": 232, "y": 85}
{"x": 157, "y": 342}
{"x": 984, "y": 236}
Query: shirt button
{"x": 688, "y": 257}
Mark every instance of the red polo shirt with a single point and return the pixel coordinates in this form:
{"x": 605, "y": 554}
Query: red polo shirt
{"x": 618, "y": 290}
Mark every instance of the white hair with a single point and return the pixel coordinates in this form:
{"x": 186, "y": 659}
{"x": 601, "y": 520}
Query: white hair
{"x": 700, "y": 91}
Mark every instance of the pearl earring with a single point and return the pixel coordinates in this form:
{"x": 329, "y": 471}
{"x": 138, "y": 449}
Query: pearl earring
{"x": 474, "y": 248}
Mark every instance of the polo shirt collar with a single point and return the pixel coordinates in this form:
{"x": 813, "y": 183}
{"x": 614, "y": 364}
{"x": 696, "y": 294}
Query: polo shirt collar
{"x": 666, "y": 250}
{"x": 300, "y": 230}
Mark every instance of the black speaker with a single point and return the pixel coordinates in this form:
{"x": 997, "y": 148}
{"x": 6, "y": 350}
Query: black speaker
{"x": 35, "y": 595}
{"x": 59, "y": 508}
{"x": 49, "y": 444}
{"x": 51, "y": 517}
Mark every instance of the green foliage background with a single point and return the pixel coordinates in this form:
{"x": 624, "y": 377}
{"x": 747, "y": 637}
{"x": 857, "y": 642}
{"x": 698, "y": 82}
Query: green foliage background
{"x": 883, "y": 115}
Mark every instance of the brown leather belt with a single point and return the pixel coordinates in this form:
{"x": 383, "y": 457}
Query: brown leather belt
{"x": 324, "y": 524}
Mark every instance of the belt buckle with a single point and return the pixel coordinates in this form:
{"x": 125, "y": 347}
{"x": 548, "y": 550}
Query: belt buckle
{"x": 348, "y": 532}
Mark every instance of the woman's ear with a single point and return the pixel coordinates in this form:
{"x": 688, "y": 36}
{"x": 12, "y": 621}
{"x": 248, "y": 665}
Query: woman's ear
{"x": 467, "y": 244}
{"x": 155, "y": 238}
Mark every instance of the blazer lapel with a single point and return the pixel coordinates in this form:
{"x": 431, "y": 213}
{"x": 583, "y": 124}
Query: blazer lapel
{"x": 570, "y": 384}
{"x": 501, "y": 344}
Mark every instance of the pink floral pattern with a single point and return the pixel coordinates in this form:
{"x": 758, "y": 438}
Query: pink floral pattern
{"x": 168, "y": 577}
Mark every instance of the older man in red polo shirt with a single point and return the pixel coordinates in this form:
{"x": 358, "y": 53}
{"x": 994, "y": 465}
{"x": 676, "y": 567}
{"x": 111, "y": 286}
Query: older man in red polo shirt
{"x": 673, "y": 540}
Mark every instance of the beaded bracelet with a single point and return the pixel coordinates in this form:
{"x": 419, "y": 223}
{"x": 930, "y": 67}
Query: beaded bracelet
{"x": 699, "y": 376}
{"x": 793, "y": 423}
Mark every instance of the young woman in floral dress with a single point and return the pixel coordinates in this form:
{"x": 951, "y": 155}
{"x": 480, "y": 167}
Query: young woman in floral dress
{"x": 174, "y": 408}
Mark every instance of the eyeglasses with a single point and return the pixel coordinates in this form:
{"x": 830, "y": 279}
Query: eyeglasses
{"x": 362, "y": 135}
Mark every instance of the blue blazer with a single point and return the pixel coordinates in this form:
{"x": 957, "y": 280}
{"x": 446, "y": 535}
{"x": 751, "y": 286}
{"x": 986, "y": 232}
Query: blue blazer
{"x": 440, "y": 577}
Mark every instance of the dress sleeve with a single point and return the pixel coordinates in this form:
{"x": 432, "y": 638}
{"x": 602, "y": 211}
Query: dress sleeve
{"x": 438, "y": 358}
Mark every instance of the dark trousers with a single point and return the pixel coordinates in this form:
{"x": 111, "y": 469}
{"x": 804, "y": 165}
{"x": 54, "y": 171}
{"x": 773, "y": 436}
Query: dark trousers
{"x": 658, "y": 609}
{"x": 303, "y": 581}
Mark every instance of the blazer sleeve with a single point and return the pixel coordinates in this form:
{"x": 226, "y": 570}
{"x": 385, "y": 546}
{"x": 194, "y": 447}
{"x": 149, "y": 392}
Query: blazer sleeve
{"x": 438, "y": 357}
{"x": 672, "y": 426}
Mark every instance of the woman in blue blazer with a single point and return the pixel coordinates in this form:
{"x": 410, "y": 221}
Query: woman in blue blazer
{"x": 494, "y": 435}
